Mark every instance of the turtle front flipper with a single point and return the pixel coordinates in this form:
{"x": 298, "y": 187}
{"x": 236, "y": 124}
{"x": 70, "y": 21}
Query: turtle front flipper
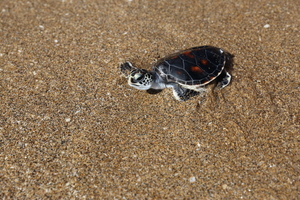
{"x": 183, "y": 94}
{"x": 127, "y": 68}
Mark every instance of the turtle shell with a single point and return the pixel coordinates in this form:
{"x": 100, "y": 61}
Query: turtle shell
{"x": 194, "y": 66}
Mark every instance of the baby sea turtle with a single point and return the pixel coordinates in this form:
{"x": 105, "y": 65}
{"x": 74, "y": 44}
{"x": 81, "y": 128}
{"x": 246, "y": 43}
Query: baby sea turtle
{"x": 187, "y": 72}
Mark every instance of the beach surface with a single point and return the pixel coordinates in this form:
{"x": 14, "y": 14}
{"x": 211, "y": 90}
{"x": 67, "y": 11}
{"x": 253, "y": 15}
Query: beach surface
{"x": 72, "y": 128}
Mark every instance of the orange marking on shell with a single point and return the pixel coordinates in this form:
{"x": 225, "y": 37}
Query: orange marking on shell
{"x": 188, "y": 54}
{"x": 179, "y": 72}
{"x": 204, "y": 62}
{"x": 196, "y": 69}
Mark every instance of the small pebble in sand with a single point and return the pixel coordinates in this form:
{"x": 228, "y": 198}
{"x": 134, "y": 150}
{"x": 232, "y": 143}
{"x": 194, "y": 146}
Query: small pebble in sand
{"x": 68, "y": 119}
{"x": 192, "y": 179}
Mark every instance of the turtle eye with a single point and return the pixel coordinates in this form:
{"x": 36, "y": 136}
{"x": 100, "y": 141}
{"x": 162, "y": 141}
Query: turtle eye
{"x": 138, "y": 77}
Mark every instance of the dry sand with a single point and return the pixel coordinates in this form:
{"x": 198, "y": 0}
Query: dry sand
{"x": 71, "y": 127}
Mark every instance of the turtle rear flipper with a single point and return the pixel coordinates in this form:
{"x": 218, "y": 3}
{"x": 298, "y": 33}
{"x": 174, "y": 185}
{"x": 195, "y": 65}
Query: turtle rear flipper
{"x": 224, "y": 79}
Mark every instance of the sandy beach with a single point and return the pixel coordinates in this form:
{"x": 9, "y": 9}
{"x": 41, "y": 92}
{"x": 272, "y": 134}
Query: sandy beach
{"x": 72, "y": 128}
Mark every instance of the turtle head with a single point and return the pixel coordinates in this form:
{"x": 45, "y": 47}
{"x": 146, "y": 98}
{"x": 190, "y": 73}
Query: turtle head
{"x": 138, "y": 78}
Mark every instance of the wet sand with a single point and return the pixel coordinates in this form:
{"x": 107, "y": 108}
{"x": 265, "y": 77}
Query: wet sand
{"x": 71, "y": 127}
